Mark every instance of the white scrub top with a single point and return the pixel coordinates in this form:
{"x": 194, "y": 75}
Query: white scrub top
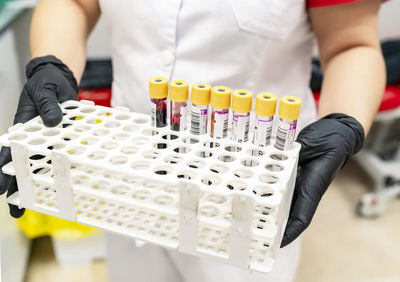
{"x": 259, "y": 45}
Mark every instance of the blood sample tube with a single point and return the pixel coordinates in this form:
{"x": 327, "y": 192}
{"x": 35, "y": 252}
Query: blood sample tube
{"x": 289, "y": 112}
{"x": 158, "y": 90}
{"x": 220, "y": 103}
{"x": 265, "y": 111}
{"x": 178, "y": 94}
{"x": 200, "y": 98}
{"x": 241, "y": 107}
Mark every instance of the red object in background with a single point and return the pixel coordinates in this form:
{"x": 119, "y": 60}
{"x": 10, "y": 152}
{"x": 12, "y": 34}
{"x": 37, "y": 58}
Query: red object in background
{"x": 390, "y": 100}
{"x": 323, "y": 3}
{"x": 101, "y": 97}
{"x": 317, "y": 95}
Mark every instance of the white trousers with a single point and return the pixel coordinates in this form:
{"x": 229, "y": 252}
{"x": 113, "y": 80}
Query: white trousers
{"x": 129, "y": 263}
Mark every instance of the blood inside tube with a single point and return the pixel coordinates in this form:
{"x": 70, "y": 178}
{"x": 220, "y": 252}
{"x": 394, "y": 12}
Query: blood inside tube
{"x": 159, "y": 112}
{"x": 178, "y": 116}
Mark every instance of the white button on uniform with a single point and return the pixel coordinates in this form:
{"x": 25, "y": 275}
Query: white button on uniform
{"x": 166, "y": 57}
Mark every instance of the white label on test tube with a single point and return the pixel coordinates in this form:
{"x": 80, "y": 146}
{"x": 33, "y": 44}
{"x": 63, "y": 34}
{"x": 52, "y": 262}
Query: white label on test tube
{"x": 153, "y": 113}
{"x": 240, "y": 127}
{"x": 263, "y": 131}
{"x": 220, "y": 123}
{"x": 198, "y": 125}
{"x": 285, "y": 134}
{"x": 183, "y": 118}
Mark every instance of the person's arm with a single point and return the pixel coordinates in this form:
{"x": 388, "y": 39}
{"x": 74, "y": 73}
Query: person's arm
{"x": 354, "y": 80}
{"x": 350, "y": 53}
{"x": 59, "y": 31}
{"x": 60, "y": 28}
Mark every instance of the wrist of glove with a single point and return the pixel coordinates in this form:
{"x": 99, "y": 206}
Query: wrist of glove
{"x": 49, "y": 82}
{"x": 326, "y": 145}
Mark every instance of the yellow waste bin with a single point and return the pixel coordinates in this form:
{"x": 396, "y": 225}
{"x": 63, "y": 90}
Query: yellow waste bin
{"x": 35, "y": 225}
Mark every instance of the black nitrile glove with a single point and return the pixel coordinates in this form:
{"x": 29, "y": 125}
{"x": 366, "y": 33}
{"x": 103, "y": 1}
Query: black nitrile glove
{"x": 326, "y": 145}
{"x": 49, "y": 82}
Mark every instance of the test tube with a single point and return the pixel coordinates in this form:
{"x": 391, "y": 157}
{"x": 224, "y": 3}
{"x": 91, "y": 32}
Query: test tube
{"x": 241, "y": 107}
{"x": 178, "y": 94}
{"x": 289, "y": 112}
{"x": 200, "y": 98}
{"x": 158, "y": 90}
{"x": 265, "y": 111}
{"x": 220, "y": 103}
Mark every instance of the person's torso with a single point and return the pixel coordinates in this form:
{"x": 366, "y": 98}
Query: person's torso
{"x": 260, "y": 45}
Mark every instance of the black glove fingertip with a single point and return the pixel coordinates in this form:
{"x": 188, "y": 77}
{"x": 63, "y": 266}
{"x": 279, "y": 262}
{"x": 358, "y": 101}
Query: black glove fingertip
{"x": 4, "y": 183}
{"x": 52, "y": 119}
{"x": 285, "y": 241}
{"x": 51, "y": 113}
{"x": 12, "y": 188}
{"x": 289, "y": 235}
{"x": 16, "y": 212}
{"x": 5, "y": 158}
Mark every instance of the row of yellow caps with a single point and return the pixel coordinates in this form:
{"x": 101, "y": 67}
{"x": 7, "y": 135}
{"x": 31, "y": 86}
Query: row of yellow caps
{"x": 221, "y": 98}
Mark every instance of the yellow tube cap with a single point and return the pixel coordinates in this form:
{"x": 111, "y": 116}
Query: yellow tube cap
{"x": 201, "y": 94}
{"x": 178, "y": 90}
{"x": 289, "y": 108}
{"x": 266, "y": 104}
{"x": 158, "y": 88}
{"x": 220, "y": 97}
{"x": 241, "y": 101}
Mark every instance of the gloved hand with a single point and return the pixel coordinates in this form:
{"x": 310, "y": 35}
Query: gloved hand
{"x": 327, "y": 144}
{"x": 49, "y": 82}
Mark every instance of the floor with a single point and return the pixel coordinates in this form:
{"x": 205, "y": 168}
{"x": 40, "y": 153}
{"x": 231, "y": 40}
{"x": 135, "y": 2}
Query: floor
{"x": 338, "y": 246}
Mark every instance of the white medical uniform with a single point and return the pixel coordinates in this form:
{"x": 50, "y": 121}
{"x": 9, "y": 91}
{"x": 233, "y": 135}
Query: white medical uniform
{"x": 260, "y": 45}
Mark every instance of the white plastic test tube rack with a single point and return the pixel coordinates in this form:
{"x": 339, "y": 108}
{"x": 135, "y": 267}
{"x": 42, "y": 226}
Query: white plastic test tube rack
{"x": 108, "y": 168}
